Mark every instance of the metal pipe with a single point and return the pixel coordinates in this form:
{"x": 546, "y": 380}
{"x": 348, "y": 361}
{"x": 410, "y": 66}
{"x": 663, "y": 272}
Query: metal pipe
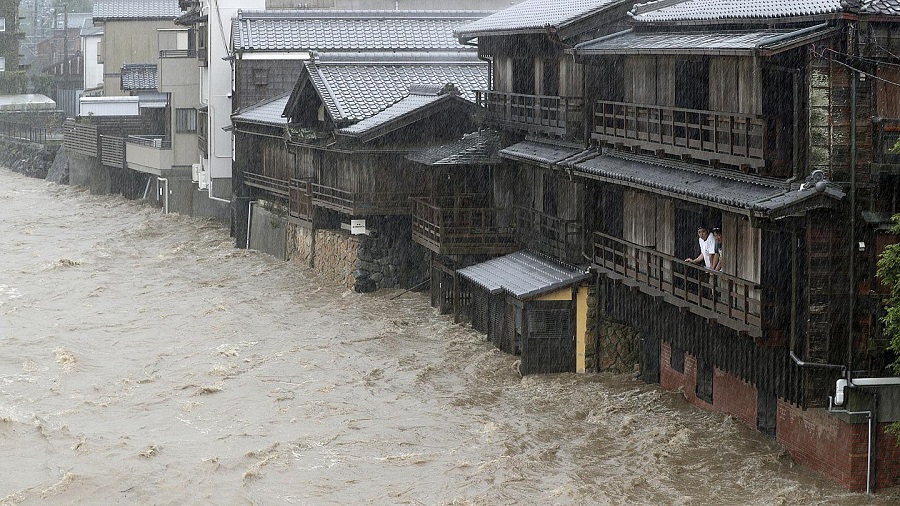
{"x": 249, "y": 219}
{"x": 854, "y": 77}
{"x": 801, "y": 363}
{"x": 870, "y": 442}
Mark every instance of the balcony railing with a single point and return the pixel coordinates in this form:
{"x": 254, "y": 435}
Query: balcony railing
{"x": 460, "y": 225}
{"x": 112, "y": 151}
{"x": 734, "y": 302}
{"x": 273, "y": 185}
{"x": 731, "y": 138}
{"x": 301, "y": 206}
{"x": 552, "y": 236}
{"x": 560, "y": 116}
{"x": 151, "y": 141}
{"x": 360, "y": 203}
{"x": 178, "y": 53}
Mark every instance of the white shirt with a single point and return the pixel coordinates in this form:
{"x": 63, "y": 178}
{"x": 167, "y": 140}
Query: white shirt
{"x": 707, "y": 248}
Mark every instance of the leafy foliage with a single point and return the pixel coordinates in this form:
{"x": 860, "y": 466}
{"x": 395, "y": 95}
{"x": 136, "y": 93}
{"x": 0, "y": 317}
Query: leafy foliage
{"x": 889, "y": 271}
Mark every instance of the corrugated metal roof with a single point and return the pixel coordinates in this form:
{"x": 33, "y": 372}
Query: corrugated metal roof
{"x": 706, "y": 42}
{"x": 331, "y": 30}
{"x": 135, "y": 9}
{"x": 523, "y": 275}
{"x": 476, "y": 148}
{"x": 267, "y": 112}
{"x": 737, "y": 193}
{"x": 139, "y": 76}
{"x": 719, "y": 11}
{"x": 534, "y": 16}
{"x": 27, "y": 102}
{"x": 354, "y": 91}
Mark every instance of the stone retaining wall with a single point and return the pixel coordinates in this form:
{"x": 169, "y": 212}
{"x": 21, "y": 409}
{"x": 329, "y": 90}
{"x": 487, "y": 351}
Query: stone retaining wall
{"x": 33, "y": 160}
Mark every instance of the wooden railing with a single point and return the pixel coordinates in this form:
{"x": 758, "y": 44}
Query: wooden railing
{"x": 81, "y": 138}
{"x": 733, "y": 301}
{"x": 268, "y": 183}
{"x": 112, "y": 151}
{"x": 301, "y": 206}
{"x": 731, "y": 138}
{"x": 360, "y": 203}
{"x": 539, "y": 113}
{"x": 461, "y": 225}
{"x": 552, "y": 236}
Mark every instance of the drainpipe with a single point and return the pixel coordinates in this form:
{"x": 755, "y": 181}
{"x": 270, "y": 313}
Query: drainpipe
{"x": 249, "y": 219}
{"x": 868, "y": 414}
{"x": 854, "y": 76}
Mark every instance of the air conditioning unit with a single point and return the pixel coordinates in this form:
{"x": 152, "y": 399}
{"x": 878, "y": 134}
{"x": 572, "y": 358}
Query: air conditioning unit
{"x": 195, "y": 172}
{"x": 203, "y": 180}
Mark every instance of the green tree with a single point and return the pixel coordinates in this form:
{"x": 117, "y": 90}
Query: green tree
{"x": 889, "y": 271}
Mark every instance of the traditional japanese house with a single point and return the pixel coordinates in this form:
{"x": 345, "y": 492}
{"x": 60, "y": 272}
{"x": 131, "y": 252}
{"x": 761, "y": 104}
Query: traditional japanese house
{"x": 536, "y": 101}
{"x": 754, "y": 118}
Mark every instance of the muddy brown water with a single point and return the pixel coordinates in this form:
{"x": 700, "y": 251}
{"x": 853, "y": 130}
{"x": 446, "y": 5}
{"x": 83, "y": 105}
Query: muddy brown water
{"x": 146, "y": 361}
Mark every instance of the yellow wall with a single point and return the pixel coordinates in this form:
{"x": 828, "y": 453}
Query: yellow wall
{"x": 581, "y": 309}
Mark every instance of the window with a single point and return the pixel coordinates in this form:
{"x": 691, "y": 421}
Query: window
{"x": 185, "y": 120}
{"x": 2, "y": 64}
{"x": 2, "y": 24}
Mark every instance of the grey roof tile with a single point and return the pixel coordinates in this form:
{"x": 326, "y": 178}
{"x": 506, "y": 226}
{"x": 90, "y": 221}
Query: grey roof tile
{"x": 406, "y": 105}
{"x": 523, "y": 275}
{"x": 349, "y": 30}
{"x": 719, "y": 11}
{"x": 135, "y": 9}
{"x": 267, "y": 112}
{"x": 705, "y": 42}
{"x": 540, "y": 152}
{"x": 533, "y": 16}
{"x": 476, "y": 148}
{"x": 881, "y": 7}
{"x": 139, "y": 76}
{"x": 354, "y": 91}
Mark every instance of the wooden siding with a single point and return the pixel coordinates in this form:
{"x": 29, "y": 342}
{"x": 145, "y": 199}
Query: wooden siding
{"x": 639, "y": 218}
{"x": 734, "y": 86}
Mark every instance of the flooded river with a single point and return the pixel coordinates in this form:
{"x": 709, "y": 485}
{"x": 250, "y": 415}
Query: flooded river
{"x": 146, "y": 361}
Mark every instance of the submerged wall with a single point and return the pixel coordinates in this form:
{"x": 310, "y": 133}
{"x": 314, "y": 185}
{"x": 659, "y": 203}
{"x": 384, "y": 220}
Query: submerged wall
{"x": 31, "y": 159}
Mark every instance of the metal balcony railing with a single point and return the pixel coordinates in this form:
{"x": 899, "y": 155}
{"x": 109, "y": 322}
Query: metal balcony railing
{"x": 151, "y": 141}
{"x": 733, "y": 301}
{"x": 462, "y": 224}
{"x": 535, "y": 113}
{"x": 731, "y": 138}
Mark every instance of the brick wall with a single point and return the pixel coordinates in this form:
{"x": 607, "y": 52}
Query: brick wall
{"x": 837, "y": 449}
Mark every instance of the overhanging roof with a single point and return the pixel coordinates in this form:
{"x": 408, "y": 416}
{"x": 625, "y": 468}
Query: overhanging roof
{"x": 523, "y": 274}
{"x": 735, "y": 43}
{"x": 732, "y": 11}
{"x": 542, "y": 153}
{"x": 105, "y": 10}
{"x": 476, "y": 148}
{"x": 267, "y": 113}
{"x": 535, "y": 16}
{"x": 758, "y": 197}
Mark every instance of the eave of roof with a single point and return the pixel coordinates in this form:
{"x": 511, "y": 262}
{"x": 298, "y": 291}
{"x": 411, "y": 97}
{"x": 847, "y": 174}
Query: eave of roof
{"x": 266, "y": 113}
{"x": 476, "y": 148}
{"x": 523, "y": 274}
{"x": 535, "y": 17}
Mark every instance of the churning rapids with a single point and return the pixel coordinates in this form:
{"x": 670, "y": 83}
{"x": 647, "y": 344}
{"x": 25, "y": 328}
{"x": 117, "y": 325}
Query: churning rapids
{"x": 145, "y": 360}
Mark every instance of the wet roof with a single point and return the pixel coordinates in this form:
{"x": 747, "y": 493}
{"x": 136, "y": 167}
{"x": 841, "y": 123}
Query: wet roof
{"x": 475, "y": 148}
{"x": 267, "y": 112}
{"x": 705, "y": 42}
{"x": 331, "y": 30}
{"x": 542, "y": 153}
{"x": 355, "y": 89}
{"x": 883, "y": 7}
{"x": 534, "y": 16}
{"x": 26, "y": 102}
{"x": 421, "y": 100}
{"x": 718, "y": 11}
{"x": 523, "y": 275}
{"x": 129, "y": 9}
{"x": 139, "y": 76}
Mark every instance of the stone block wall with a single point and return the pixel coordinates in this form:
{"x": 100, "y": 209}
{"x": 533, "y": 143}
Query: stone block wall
{"x": 335, "y": 256}
{"x": 619, "y": 346}
{"x": 33, "y": 160}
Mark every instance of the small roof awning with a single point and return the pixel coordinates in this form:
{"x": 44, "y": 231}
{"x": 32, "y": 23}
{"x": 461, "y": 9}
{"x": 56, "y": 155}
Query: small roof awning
{"x": 523, "y": 274}
{"x": 476, "y": 148}
{"x": 734, "y": 43}
{"x": 771, "y": 199}
{"x": 542, "y": 153}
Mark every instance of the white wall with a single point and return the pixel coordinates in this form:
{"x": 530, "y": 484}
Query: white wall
{"x": 93, "y": 71}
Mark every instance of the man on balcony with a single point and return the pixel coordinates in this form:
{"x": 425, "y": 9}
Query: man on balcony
{"x": 707, "y": 249}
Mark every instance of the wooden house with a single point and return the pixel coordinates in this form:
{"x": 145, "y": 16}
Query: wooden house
{"x": 756, "y": 118}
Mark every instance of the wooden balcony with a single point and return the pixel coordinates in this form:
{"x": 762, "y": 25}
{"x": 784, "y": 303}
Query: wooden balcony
{"x": 729, "y": 300}
{"x": 734, "y": 139}
{"x": 460, "y": 225}
{"x": 270, "y": 184}
{"x": 301, "y": 206}
{"x": 552, "y": 236}
{"x": 365, "y": 203}
{"x": 555, "y": 116}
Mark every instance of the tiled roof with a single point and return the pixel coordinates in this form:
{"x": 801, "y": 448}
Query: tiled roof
{"x": 476, "y": 148}
{"x": 705, "y": 42}
{"x": 267, "y": 113}
{"x": 542, "y": 153}
{"x": 419, "y": 99}
{"x": 523, "y": 275}
{"x": 721, "y": 11}
{"x": 701, "y": 185}
{"x": 354, "y": 91}
{"x": 533, "y": 16}
{"x": 135, "y": 9}
{"x": 349, "y": 30}
{"x": 883, "y": 7}
{"x": 139, "y": 76}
